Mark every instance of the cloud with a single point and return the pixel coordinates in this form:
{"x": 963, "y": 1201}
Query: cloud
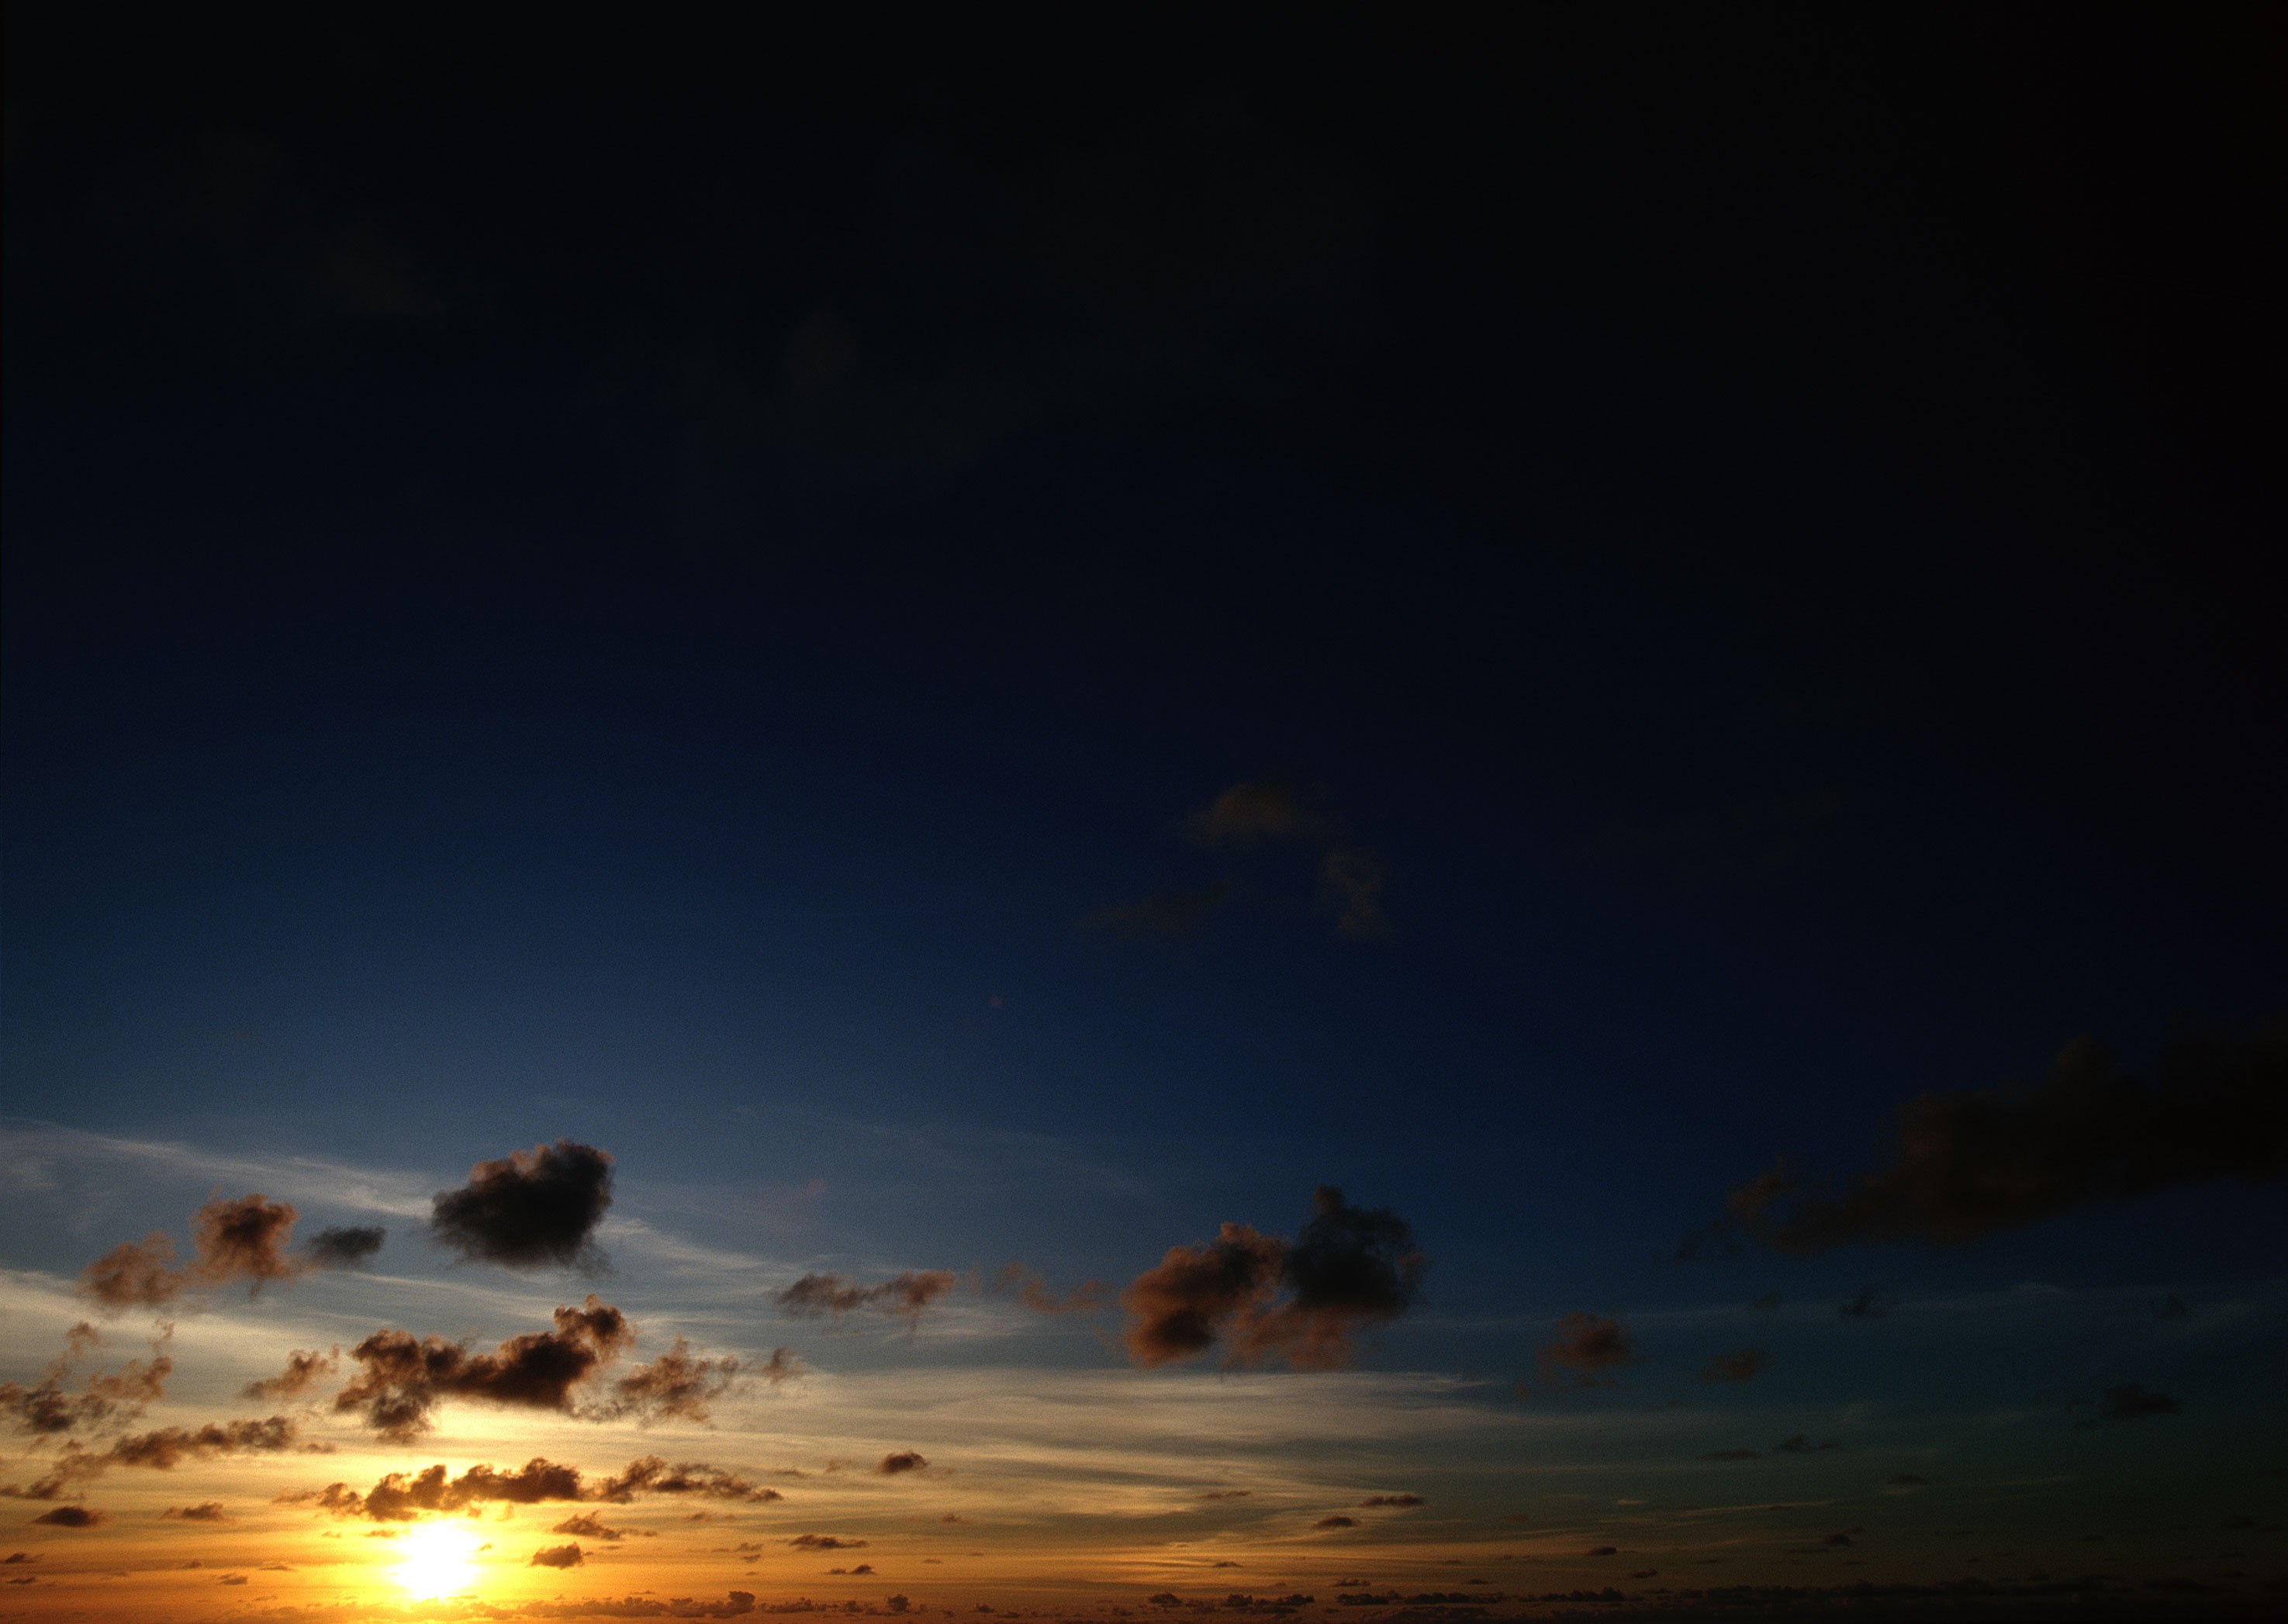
{"x": 1767, "y": 1303}
{"x": 1586, "y": 1348}
{"x": 651, "y": 1474}
{"x": 1373, "y": 1501}
{"x": 72, "y": 1516}
{"x": 780, "y": 1366}
{"x": 588, "y": 1525}
{"x": 904, "y": 1461}
{"x": 400, "y": 1497}
{"x": 304, "y": 1370}
{"x": 530, "y": 1208}
{"x": 1337, "y": 1521}
{"x": 1226, "y": 1494}
{"x": 907, "y": 1295}
{"x": 1867, "y": 1305}
{"x": 161, "y": 1451}
{"x": 1250, "y": 817}
{"x": 402, "y": 1378}
{"x": 49, "y": 1407}
{"x": 825, "y": 1541}
{"x": 1348, "y": 1269}
{"x": 558, "y": 1556}
{"x": 1968, "y": 1165}
{"x": 244, "y": 1239}
{"x": 205, "y": 1511}
{"x": 2131, "y": 1402}
{"x": 1802, "y": 1444}
{"x": 345, "y": 1248}
{"x": 1034, "y": 1293}
{"x": 1744, "y": 1366}
{"x": 677, "y": 1386}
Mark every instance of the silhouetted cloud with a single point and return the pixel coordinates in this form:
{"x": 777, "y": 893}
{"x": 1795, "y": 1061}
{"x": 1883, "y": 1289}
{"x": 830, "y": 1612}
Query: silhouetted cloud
{"x": 401, "y": 1497}
{"x": 2131, "y": 1401}
{"x": 558, "y": 1556}
{"x": 72, "y": 1516}
{"x": 587, "y": 1525}
{"x": 1744, "y": 1366}
{"x": 345, "y": 1248}
{"x": 304, "y": 1370}
{"x": 1868, "y": 1304}
{"x": 161, "y": 1451}
{"x": 1336, "y": 1522}
{"x": 1373, "y": 1501}
{"x": 242, "y": 1238}
{"x": 904, "y": 1461}
{"x": 907, "y": 1295}
{"x": 530, "y": 1208}
{"x": 825, "y": 1541}
{"x": 1226, "y": 1494}
{"x": 651, "y": 1474}
{"x": 50, "y": 1405}
{"x": 402, "y": 1378}
{"x": 1348, "y": 1269}
{"x": 205, "y": 1511}
{"x": 676, "y": 1385}
{"x": 1802, "y": 1444}
{"x": 1586, "y": 1349}
{"x": 1249, "y": 817}
{"x": 1974, "y": 1164}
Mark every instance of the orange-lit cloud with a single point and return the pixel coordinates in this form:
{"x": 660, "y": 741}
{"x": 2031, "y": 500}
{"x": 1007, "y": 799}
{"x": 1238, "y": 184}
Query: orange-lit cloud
{"x": 907, "y": 1295}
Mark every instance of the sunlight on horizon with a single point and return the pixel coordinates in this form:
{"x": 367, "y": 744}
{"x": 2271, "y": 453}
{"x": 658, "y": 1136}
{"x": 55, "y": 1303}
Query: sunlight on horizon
{"x": 437, "y": 1561}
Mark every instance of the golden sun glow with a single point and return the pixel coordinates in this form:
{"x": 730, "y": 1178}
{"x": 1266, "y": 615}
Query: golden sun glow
{"x": 437, "y": 1561}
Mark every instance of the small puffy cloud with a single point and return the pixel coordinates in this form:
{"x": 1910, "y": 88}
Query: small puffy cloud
{"x": 345, "y": 1248}
{"x": 559, "y": 1555}
{"x": 1373, "y": 1501}
{"x": 1348, "y": 1269}
{"x": 529, "y": 1208}
{"x": 402, "y": 1378}
{"x": 904, "y": 1461}
{"x": 205, "y": 1511}
{"x": 1744, "y": 1366}
{"x": 651, "y": 1474}
{"x": 678, "y": 1385}
{"x": 72, "y": 1517}
{"x": 825, "y": 1541}
{"x": 1336, "y": 1521}
{"x": 1867, "y": 1305}
{"x": 304, "y": 1370}
{"x": 56, "y": 1404}
{"x": 587, "y": 1525}
{"x": 1968, "y": 1165}
{"x": 1585, "y": 1350}
{"x": 135, "y": 1274}
{"x": 907, "y": 1295}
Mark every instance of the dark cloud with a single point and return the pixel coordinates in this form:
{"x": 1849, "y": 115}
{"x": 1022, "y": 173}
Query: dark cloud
{"x": 1868, "y": 1304}
{"x": 907, "y": 1295}
{"x": 1337, "y": 1521}
{"x": 162, "y": 1450}
{"x": 1732, "y": 1230}
{"x": 402, "y": 1378}
{"x": 72, "y": 1516}
{"x": 1969, "y": 1165}
{"x": 13, "y": 1557}
{"x": 2131, "y": 1401}
{"x": 1348, "y": 1269}
{"x": 1733, "y": 1454}
{"x": 1373, "y": 1501}
{"x": 244, "y": 1240}
{"x": 677, "y": 1386}
{"x": 1802, "y": 1444}
{"x": 1034, "y": 1292}
{"x": 1226, "y": 1494}
{"x": 205, "y": 1511}
{"x": 53, "y": 1406}
{"x": 345, "y": 1248}
{"x": 587, "y": 1525}
{"x": 1585, "y": 1350}
{"x": 904, "y": 1461}
{"x": 1744, "y": 1366}
{"x": 304, "y": 1370}
{"x": 1908, "y": 1480}
{"x": 780, "y": 1366}
{"x": 401, "y": 1497}
{"x": 530, "y": 1208}
{"x": 558, "y": 1556}
{"x": 1351, "y": 877}
{"x": 651, "y": 1474}
{"x": 825, "y": 1541}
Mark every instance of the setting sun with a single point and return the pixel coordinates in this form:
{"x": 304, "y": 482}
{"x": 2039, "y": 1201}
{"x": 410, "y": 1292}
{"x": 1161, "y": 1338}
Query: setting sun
{"x": 437, "y": 1561}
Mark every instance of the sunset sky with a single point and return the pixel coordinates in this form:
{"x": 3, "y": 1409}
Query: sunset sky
{"x": 1382, "y": 815}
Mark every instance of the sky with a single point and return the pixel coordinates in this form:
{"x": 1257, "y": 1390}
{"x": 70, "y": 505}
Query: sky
{"x": 1459, "y": 814}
